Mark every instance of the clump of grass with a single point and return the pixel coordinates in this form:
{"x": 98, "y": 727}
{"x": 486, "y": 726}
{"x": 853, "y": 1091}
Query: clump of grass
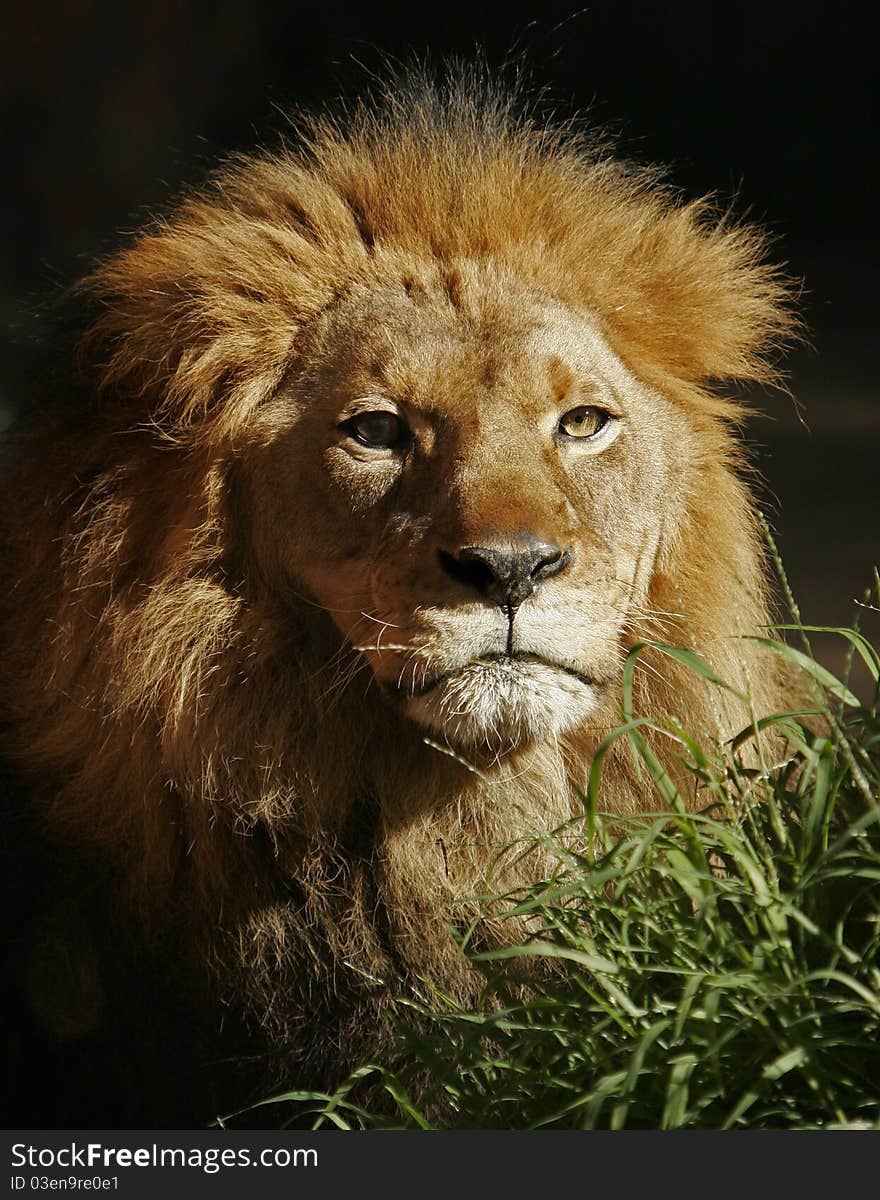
{"x": 716, "y": 969}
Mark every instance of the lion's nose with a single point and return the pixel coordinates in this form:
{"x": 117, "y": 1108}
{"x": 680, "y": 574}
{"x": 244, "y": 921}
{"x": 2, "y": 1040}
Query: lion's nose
{"x": 509, "y": 573}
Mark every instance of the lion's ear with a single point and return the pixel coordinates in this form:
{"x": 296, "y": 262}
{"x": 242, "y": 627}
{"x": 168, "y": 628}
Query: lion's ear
{"x": 691, "y": 296}
{"x": 195, "y": 321}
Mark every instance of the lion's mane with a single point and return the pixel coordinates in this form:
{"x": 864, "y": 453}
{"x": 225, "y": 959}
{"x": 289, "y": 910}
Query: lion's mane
{"x": 274, "y": 850}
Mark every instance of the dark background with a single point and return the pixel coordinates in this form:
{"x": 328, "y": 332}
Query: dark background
{"x": 108, "y": 108}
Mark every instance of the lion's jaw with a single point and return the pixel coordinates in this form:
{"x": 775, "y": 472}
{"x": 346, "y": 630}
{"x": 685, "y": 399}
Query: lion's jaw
{"x": 507, "y": 701}
{"x": 477, "y": 680}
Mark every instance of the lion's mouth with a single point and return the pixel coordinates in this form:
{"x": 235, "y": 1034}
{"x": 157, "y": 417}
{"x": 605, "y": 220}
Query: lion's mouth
{"x": 503, "y": 663}
{"x": 503, "y": 701}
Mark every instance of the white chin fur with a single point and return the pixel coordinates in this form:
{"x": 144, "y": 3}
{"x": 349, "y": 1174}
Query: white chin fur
{"x": 503, "y": 704}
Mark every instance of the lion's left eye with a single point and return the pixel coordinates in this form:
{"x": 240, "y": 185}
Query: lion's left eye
{"x": 585, "y": 421}
{"x": 380, "y": 430}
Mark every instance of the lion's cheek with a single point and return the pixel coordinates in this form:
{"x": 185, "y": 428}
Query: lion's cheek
{"x": 338, "y": 585}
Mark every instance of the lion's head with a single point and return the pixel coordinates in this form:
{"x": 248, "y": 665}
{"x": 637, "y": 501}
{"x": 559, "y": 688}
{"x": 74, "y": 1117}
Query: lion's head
{"x": 395, "y": 441}
{"x": 475, "y": 486}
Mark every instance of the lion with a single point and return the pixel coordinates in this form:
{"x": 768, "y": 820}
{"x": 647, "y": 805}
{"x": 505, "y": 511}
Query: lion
{"x": 377, "y": 457}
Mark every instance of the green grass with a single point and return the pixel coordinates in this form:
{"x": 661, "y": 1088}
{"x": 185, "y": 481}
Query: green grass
{"x": 716, "y": 969}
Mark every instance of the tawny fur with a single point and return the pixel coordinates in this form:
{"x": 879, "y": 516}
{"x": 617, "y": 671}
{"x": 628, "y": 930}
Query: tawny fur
{"x": 283, "y": 841}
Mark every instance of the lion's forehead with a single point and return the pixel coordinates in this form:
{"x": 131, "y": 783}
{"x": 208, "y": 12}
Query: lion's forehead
{"x": 417, "y": 348}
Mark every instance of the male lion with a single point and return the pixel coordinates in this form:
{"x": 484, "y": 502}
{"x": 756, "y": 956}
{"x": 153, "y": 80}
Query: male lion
{"x": 378, "y": 456}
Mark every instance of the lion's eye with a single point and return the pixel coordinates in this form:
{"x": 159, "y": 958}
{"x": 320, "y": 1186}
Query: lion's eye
{"x": 585, "y": 421}
{"x": 379, "y": 430}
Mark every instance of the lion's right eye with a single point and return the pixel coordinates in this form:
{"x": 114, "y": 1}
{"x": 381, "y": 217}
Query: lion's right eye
{"x": 379, "y": 430}
{"x": 585, "y": 422}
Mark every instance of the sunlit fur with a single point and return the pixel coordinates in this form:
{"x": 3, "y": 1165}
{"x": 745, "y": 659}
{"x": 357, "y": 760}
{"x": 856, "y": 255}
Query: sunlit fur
{"x": 182, "y": 705}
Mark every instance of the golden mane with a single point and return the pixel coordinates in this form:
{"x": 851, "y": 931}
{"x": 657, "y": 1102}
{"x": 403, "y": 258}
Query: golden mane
{"x": 168, "y": 714}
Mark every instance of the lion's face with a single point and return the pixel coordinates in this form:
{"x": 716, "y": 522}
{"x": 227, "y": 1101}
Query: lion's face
{"x": 475, "y": 487}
